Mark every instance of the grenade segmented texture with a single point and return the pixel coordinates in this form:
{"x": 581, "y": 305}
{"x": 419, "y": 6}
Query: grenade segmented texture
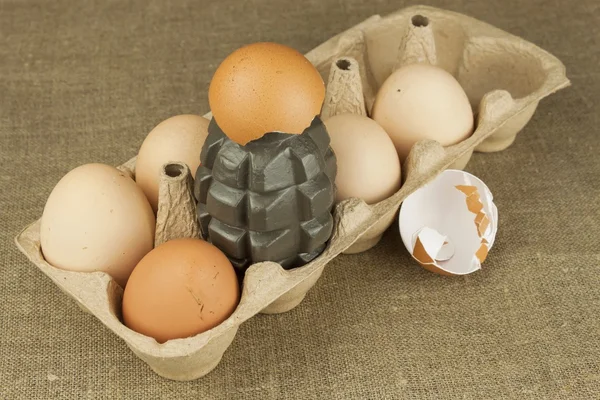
{"x": 269, "y": 200}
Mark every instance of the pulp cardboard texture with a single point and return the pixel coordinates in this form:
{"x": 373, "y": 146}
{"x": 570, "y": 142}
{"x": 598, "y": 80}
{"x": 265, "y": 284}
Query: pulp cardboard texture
{"x": 176, "y": 215}
{"x": 345, "y": 93}
{"x": 504, "y": 76}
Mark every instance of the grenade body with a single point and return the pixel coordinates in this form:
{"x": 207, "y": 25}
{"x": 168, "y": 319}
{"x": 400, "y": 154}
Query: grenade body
{"x": 270, "y": 200}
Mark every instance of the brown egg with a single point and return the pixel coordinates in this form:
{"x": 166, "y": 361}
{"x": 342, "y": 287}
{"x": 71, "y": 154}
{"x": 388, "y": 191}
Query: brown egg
{"x": 181, "y": 288}
{"x": 179, "y": 138}
{"x": 265, "y": 87}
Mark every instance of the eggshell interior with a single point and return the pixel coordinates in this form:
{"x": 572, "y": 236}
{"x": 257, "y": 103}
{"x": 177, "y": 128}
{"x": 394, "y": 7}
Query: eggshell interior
{"x": 442, "y": 208}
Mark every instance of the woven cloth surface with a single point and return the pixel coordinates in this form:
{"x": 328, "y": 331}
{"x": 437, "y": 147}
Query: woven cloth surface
{"x": 85, "y": 81}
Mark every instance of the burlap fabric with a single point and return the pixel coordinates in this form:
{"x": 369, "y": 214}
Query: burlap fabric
{"x": 85, "y": 81}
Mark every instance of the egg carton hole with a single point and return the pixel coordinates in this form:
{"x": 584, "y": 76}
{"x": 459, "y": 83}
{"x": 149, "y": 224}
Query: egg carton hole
{"x": 174, "y": 170}
{"x": 419, "y": 21}
{"x": 343, "y": 64}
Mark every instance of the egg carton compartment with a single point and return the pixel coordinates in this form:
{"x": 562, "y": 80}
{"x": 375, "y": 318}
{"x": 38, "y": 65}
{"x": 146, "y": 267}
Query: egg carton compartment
{"x": 504, "y": 77}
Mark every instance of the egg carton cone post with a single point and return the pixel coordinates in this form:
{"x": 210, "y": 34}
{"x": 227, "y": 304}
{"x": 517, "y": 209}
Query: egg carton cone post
{"x": 504, "y": 76}
{"x": 177, "y": 208}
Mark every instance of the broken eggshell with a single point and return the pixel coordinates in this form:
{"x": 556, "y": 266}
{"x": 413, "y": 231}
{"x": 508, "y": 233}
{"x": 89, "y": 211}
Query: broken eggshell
{"x": 449, "y": 225}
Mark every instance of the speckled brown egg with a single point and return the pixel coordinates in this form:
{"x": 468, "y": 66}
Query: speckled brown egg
{"x": 181, "y": 288}
{"x": 265, "y": 87}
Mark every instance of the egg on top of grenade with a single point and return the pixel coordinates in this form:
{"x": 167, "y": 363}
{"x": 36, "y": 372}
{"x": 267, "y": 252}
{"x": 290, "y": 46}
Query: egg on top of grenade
{"x": 181, "y": 288}
{"x": 97, "y": 219}
{"x": 368, "y": 166}
{"x": 176, "y": 139}
{"x": 420, "y": 101}
{"x": 265, "y": 87}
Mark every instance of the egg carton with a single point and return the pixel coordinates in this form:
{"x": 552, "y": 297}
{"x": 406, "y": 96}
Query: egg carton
{"x": 504, "y": 77}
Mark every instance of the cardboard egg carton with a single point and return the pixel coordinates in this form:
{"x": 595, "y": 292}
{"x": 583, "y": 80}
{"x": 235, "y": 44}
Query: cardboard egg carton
{"x": 504, "y": 77}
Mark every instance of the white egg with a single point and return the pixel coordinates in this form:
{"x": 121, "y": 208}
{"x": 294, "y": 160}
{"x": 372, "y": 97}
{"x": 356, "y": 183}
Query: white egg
{"x": 97, "y": 219}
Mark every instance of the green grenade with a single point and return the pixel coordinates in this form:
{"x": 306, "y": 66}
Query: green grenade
{"x": 269, "y": 200}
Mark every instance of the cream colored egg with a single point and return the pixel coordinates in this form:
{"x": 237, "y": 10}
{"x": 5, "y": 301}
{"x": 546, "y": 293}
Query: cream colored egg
{"x": 423, "y": 102}
{"x": 367, "y": 163}
{"x": 97, "y": 219}
{"x": 180, "y": 139}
